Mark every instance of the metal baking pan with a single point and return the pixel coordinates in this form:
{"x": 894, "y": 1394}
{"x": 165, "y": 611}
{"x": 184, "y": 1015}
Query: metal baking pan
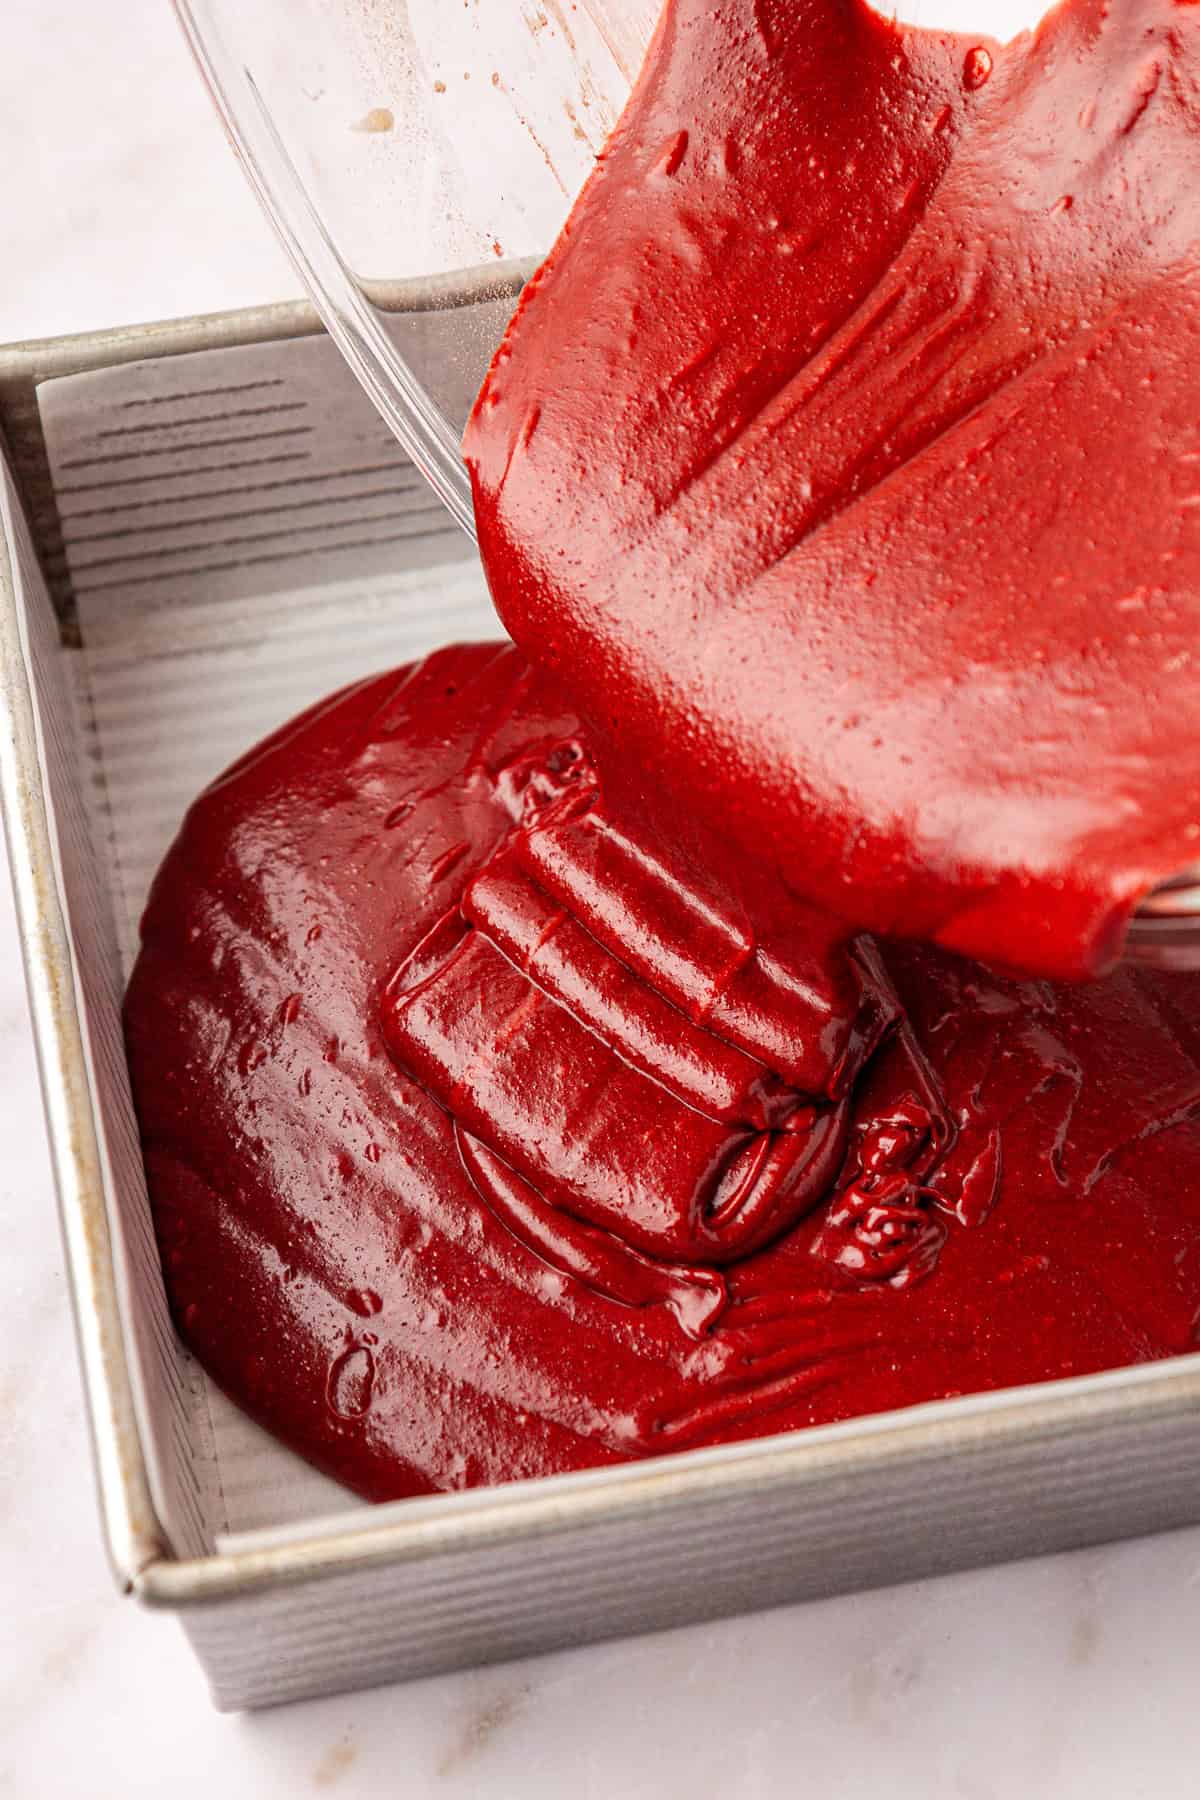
{"x": 204, "y": 526}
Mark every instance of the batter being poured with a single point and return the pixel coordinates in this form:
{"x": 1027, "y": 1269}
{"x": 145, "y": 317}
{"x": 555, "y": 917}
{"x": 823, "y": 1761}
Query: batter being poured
{"x": 530, "y": 1069}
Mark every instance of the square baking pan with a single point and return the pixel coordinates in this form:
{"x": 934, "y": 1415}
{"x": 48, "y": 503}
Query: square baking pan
{"x": 204, "y": 528}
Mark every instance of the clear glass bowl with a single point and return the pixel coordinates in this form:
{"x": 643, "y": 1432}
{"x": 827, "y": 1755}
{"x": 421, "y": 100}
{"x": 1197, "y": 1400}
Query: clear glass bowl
{"x": 417, "y": 159}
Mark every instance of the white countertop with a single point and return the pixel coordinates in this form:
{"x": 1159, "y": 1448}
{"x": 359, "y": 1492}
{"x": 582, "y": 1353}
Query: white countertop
{"x": 1068, "y": 1678}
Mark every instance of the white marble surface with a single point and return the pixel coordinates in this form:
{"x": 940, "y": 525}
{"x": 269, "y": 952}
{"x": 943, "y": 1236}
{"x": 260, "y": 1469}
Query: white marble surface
{"x": 1065, "y": 1679}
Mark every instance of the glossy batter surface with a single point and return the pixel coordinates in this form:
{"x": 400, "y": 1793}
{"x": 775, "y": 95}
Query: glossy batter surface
{"x": 513, "y": 1099}
{"x": 843, "y": 462}
{"x": 486, "y": 1139}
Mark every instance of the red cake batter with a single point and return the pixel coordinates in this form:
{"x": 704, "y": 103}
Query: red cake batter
{"x": 484, "y": 1145}
{"x": 843, "y": 461}
{"x": 515, "y": 1096}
